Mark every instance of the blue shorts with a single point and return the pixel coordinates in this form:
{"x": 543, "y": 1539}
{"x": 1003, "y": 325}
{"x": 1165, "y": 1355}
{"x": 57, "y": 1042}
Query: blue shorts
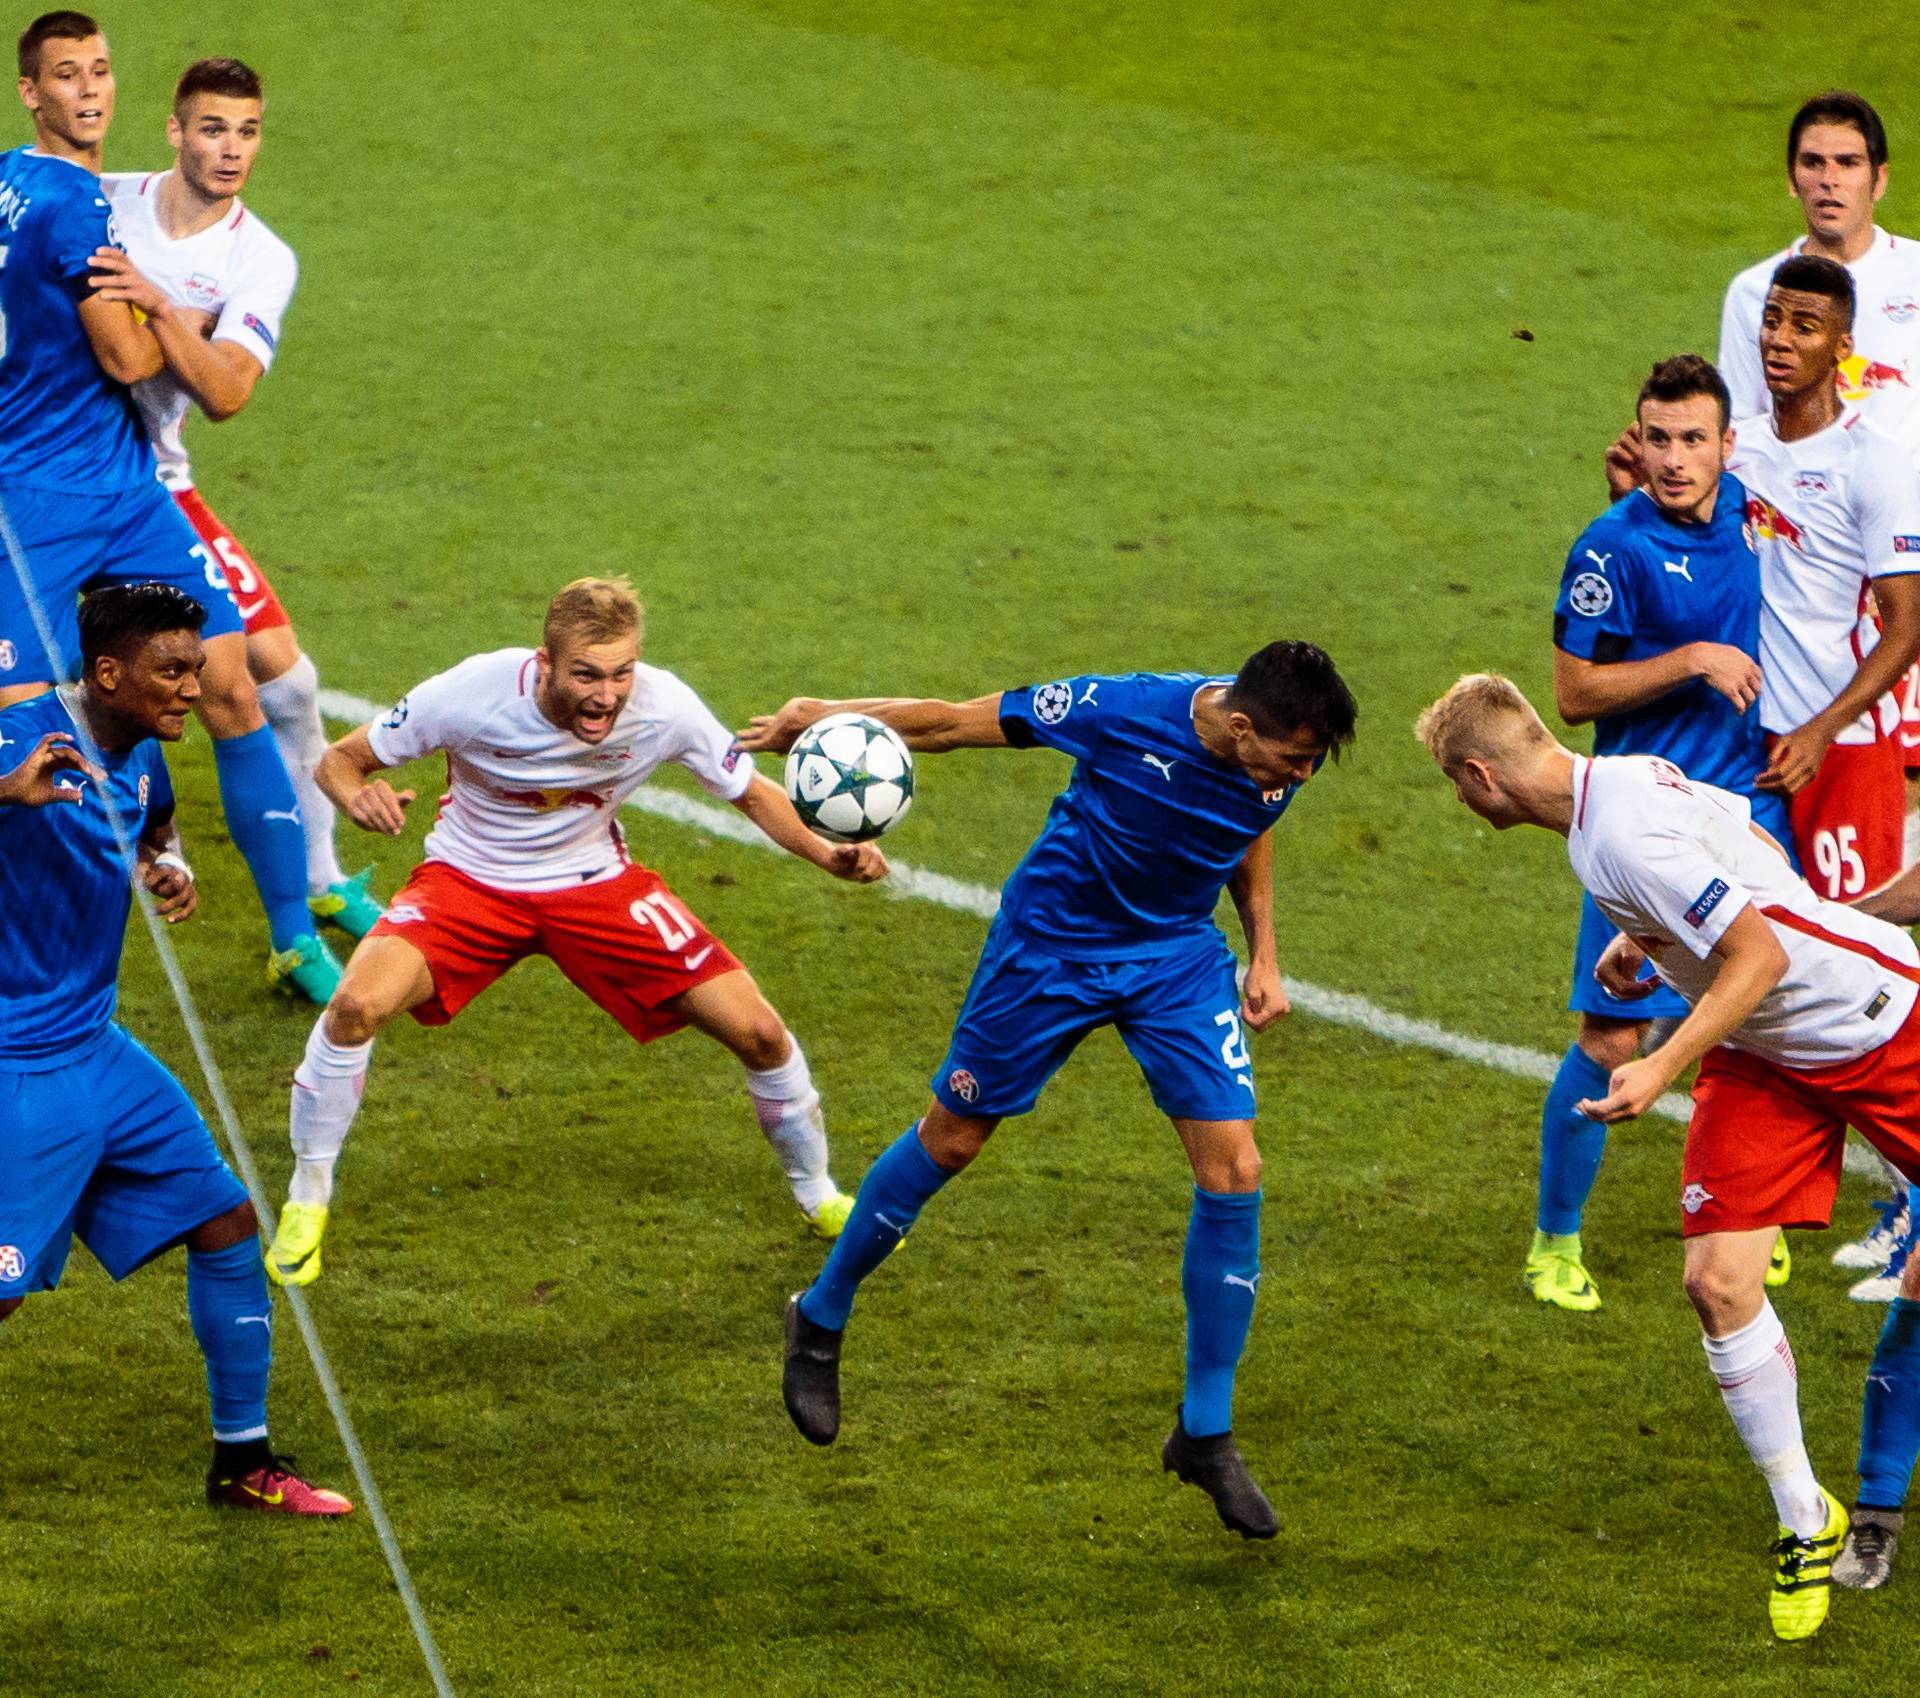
{"x": 107, "y": 1147}
{"x": 1596, "y": 932}
{"x": 80, "y": 542}
{"x": 1027, "y": 1009}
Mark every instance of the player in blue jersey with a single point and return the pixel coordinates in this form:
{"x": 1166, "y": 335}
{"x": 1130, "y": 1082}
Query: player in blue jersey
{"x": 97, "y": 1139}
{"x": 78, "y": 482}
{"x": 1108, "y": 920}
{"x": 1656, "y": 630}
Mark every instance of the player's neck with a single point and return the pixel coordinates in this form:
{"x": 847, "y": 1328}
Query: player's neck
{"x": 58, "y": 147}
{"x": 1796, "y": 417}
{"x": 1546, "y": 791}
{"x": 1844, "y": 250}
{"x": 111, "y": 731}
{"x": 183, "y": 211}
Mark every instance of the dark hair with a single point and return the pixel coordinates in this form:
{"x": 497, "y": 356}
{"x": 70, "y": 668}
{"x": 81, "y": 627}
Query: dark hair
{"x": 1812, "y": 274}
{"x": 118, "y": 619}
{"x": 1683, "y": 377}
{"x": 51, "y": 26}
{"x": 1292, "y": 686}
{"x": 217, "y": 76}
{"x": 1838, "y": 106}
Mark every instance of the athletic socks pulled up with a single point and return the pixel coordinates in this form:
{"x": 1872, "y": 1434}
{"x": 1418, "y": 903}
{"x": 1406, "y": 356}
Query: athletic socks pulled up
{"x": 1220, "y": 1277}
{"x": 788, "y": 1109}
{"x": 232, "y": 1317}
{"x": 1890, "y": 1416}
{"x": 1761, "y": 1389}
{"x": 263, "y": 818}
{"x": 291, "y": 703}
{"x": 1571, "y": 1145}
{"x": 891, "y": 1196}
{"x": 327, "y": 1087}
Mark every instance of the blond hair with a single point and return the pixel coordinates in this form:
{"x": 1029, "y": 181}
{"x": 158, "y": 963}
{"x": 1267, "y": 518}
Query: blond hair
{"x": 593, "y": 610}
{"x": 1483, "y": 717}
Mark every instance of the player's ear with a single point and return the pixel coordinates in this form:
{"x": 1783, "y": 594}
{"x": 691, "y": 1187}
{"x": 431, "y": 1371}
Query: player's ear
{"x": 175, "y": 135}
{"x": 106, "y": 673}
{"x": 1879, "y": 180}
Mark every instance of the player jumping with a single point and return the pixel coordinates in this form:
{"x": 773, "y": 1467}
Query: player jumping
{"x": 527, "y": 857}
{"x": 1656, "y": 634}
{"x": 100, "y": 1142}
{"x": 213, "y": 283}
{"x": 1802, "y": 1020}
{"x": 1108, "y": 920}
{"x": 77, "y": 474}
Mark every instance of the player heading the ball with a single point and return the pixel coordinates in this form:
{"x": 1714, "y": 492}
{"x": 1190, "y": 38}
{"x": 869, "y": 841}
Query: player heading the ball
{"x": 1108, "y": 920}
{"x": 526, "y": 857}
{"x": 1801, "y": 1015}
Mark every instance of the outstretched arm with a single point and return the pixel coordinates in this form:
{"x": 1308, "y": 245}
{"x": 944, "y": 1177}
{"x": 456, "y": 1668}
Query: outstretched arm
{"x": 926, "y": 725}
{"x": 1751, "y": 964}
{"x": 766, "y": 804}
{"x": 1264, "y": 997}
{"x": 345, "y": 776}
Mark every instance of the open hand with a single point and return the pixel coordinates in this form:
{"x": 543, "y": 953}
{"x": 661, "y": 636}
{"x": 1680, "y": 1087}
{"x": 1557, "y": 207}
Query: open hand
{"x": 377, "y": 806}
{"x": 113, "y": 277}
{"x": 1624, "y": 470}
{"x": 773, "y": 733}
{"x": 31, "y": 783}
{"x": 1631, "y": 1091}
{"x": 857, "y": 863}
{"x": 1619, "y": 968}
{"x": 1795, "y": 758}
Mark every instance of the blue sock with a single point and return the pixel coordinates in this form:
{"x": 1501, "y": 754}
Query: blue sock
{"x": 233, "y": 1320}
{"x": 891, "y": 1197}
{"x": 1220, "y": 1277}
{"x": 263, "y": 819}
{"x": 1890, "y": 1419}
{"x": 1571, "y": 1145}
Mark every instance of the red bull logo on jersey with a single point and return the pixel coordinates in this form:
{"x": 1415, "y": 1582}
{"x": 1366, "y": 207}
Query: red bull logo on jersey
{"x": 1810, "y": 483}
{"x": 1861, "y": 377}
{"x": 546, "y": 801}
{"x": 1766, "y": 520}
{"x": 1902, "y": 309}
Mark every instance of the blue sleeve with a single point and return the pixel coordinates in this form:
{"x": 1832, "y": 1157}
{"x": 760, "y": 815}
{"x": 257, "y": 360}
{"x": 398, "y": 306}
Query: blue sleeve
{"x": 78, "y": 224}
{"x": 1068, "y": 714}
{"x": 1593, "y": 613}
{"x": 160, "y": 798}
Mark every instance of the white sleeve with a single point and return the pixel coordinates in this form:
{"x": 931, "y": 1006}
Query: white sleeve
{"x": 705, "y": 747}
{"x": 1886, "y": 508}
{"x": 1740, "y": 351}
{"x": 254, "y": 311}
{"x": 442, "y": 713}
{"x": 1672, "y": 879}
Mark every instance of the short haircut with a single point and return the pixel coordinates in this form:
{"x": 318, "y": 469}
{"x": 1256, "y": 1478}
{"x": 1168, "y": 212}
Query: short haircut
{"x": 1292, "y": 686}
{"x": 1839, "y": 106}
{"x": 1683, "y": 377}
{"x": 1483, "y": 717}
{"x": 52, "y": 26}
{"x": 229, "y": 77}
{"x": 1813, "y": 274}
{"x": 593, "y": 610}
{"x": 120, "y": 618}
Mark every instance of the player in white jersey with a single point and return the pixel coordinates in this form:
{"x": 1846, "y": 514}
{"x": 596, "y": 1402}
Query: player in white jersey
{"x": 527, "y": 857}
{"x": 215, "y": 283}
{"x": 1801, "y": 1017}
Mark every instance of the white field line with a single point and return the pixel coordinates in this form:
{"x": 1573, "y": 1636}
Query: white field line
{"x": 1343, "y": 1008}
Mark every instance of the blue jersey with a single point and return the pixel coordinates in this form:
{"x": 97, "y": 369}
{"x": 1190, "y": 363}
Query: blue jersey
{"x": 64, "y": 424}
{"x": 66, "y": 887}
{"x": 1638, "y": 584}
{"x": 1138, "y": 847}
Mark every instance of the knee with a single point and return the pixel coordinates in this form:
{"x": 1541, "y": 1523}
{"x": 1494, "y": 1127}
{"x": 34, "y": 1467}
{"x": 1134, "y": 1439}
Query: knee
{"x": 352, "y": 1017}
{"x": 8, "y": 1305}
{"x": 1229, "y": 1171}
{"x": 954, "y": 1141}
{"x": 764, "y": 1043}
{"x": 236, "y": 1226}
{"x": 1716, "y": 1292}
{"x": 1610, "y": 1043}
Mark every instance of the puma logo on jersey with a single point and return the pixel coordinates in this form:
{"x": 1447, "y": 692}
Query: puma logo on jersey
{"x": 1599, "y": 560}
{"x": 1086, "y": 697}
{"x": 1164, "y": 768}
{"x": 1679, "y": 571}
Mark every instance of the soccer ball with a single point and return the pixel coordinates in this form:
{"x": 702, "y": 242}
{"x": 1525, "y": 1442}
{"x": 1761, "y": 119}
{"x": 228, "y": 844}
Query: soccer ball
{"x": 850, "y": 777}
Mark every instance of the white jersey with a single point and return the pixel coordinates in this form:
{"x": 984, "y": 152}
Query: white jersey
{"x": 1883, "y": 376}
{"x": 1673, "y": 864}
{"x": 1827, "y": 514}
{"x": 238, "y": 270}
{"x": 529, "y": 806}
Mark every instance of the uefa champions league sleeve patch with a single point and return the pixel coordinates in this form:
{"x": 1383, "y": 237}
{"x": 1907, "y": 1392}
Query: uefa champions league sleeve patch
{"x": 1590, "y": 595}
{"x": 1052, "y": 703}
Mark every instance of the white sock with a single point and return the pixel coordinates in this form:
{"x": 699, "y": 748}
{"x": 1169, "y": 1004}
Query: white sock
{"x": 326, "y": 1096}
{"x": 1761, "y": 1389}
{"x": 291, "y": 704}
{"x": 789, "y": 1111}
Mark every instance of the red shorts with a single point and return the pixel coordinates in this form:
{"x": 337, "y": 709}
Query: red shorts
{"x": 260, "y": 608}
{"x": 1850, "y": 823}
{"x": 1765, "y": 1144}
{"x": 1907, "y": 694}
{"x": 626, "y": 941}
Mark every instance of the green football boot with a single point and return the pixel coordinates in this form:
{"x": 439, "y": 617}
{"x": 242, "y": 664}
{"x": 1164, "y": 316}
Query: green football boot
{"x": 1555, "y": 1274}
{"x": 348, "y": 905}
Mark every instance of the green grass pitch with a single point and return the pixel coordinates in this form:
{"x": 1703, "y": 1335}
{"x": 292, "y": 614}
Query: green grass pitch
{"x": 932, "y": 348}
